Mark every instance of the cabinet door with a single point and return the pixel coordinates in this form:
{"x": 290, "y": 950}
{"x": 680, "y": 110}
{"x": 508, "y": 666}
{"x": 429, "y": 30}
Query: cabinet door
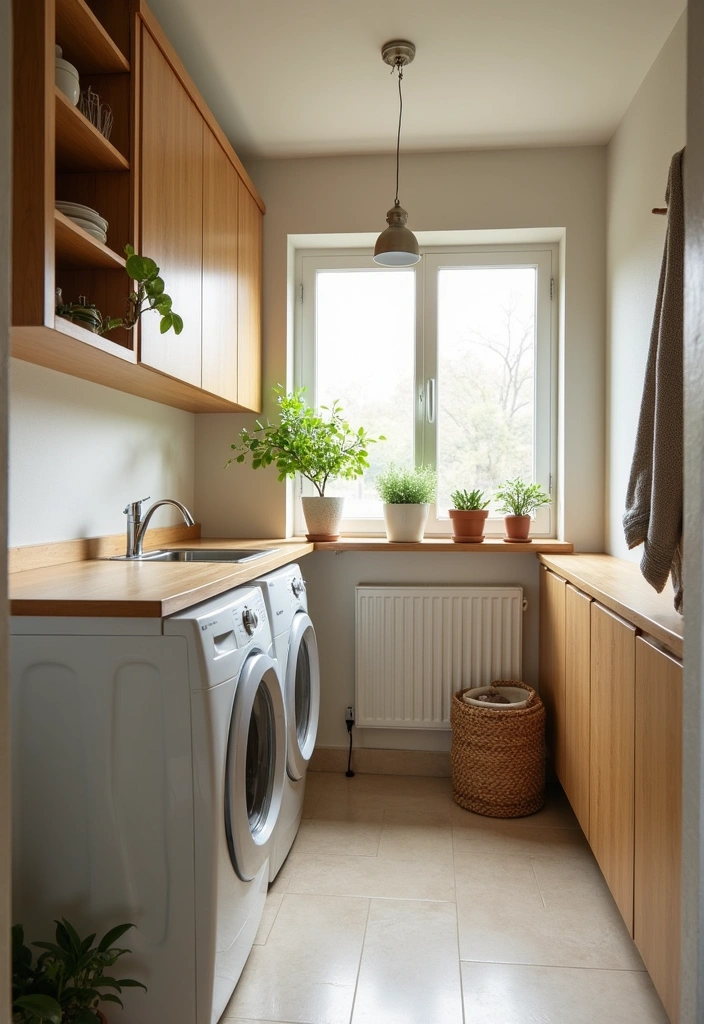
{"x": 658, "y": 819}
{"x": 171, "y": 212}
{"x": 552, "y": 665}
{"x": 577, "y": 702}
{"x": 221, "y": 184}
{"x": 249, "y": 298}
{"x": 611, "y": 761}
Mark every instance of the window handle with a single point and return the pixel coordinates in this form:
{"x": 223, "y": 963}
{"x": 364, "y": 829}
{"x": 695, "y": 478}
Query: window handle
{"x": 430, "y": 400}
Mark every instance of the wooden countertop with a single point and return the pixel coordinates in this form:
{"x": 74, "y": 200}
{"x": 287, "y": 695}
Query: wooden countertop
{"x": 68, "y": 579}
{"x": 429, "y": 545}
{"x": 141, "y": 589}
{"x": 619, "y": 586}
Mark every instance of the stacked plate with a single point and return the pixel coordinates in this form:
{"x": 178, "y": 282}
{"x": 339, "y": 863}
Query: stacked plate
{"x": 86, "y": 218}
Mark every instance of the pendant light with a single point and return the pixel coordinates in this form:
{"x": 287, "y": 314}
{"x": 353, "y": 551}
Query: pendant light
{"x": 397, "y": 246}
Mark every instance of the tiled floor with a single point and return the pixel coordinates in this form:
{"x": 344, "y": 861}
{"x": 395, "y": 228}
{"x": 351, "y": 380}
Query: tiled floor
{"x": 396, "y": 906}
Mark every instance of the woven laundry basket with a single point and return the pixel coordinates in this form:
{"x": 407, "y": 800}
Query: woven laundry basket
{"x": 498, "y": 757}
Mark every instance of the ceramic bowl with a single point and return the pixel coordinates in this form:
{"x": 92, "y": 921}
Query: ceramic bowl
{"x": 67, "y": 80}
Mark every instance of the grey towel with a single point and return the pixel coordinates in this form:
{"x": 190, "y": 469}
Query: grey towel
{"x": 654, "y": 500}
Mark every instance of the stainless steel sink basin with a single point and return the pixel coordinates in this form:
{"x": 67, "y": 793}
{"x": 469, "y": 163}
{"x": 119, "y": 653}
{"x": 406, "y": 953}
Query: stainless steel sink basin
{"x": 201, "y": 555}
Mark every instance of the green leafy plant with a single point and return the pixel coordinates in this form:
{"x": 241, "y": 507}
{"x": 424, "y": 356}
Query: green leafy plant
{"x": 401, "y": 486}
{"x": 63, "y": 986}
{"x": 469, "y": 501}
{"x": 304, "y": 442}
{"x": 517, "y": 498}
{"x": 150, "y": 289}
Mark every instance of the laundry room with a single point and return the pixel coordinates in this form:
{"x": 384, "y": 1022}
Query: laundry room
{"x": 284, "y": 743}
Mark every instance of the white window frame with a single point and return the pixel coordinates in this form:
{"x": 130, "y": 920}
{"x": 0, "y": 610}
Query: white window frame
{"x": 544, "y": 257}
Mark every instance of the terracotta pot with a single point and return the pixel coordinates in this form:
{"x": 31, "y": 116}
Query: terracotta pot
{"x": 101, "y": 1017}
{"x": 405, "y": 523}
{"x": 468, "y": 526}
{"x": 323, "y": 517}
{"x": 517, "y": 529}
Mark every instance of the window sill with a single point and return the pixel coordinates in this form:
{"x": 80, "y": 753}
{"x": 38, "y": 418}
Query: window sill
{"x": 430, "y": 545}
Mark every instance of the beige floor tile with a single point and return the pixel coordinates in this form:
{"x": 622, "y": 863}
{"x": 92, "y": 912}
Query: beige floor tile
{"x": 496, "y": 993}
{"x": 249, "y": 1020}
{"x": 271, "y": 909}
{"x": 338, "y": 838}
{"x": 520, "y": 841}
{"x": 381, "y": 877}
{"x": 307, "y": 971}
{"x": 512, "y": 924}
{"x": 374, "y": 793}
{"x": 409, "y": 972}
{"x": 315, "y": 784}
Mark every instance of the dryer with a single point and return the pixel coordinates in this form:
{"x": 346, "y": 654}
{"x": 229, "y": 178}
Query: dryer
{"x": 148, "y": 771}
{"x": 296, "y": 653}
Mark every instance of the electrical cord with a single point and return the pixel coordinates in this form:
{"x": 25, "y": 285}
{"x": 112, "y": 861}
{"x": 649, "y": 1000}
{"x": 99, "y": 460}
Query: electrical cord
{"x": 349, "y": 722}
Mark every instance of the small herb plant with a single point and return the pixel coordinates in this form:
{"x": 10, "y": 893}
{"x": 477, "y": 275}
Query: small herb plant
{"x": 517, "y": 498}
{"x": 469, "y": 501}
{"x": 150, "y": 289}
{"x": 63, "y": 986}
{"x": 401, "y": 486}
{"x": 303, "y": 441}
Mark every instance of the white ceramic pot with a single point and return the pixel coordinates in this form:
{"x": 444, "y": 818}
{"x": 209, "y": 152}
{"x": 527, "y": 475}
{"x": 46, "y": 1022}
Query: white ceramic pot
{"x": 323, "y": 517}
{"x": 405, "y": 523}
{"x": 67, "y": 78}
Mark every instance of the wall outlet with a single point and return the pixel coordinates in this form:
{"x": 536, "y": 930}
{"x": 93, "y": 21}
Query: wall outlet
{"x": 349, "y": 714}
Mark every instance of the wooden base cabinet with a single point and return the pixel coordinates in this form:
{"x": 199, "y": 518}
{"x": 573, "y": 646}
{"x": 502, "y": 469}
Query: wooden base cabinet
{"x": 577, "y": 703}
{"x": 611, "y": 767}
{"x": 552, "y": 665}
{"x": 658, "y": 818}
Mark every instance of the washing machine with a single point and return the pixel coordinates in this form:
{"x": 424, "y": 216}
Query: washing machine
{"x": 296, "y": 653}
{"x": 149, "y": 759}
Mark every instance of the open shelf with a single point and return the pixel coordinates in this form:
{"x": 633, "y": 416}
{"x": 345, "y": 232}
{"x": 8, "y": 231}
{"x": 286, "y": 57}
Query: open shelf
{"x": 77, "y": 250}
{"x": 85, "y": 42}
{"x": 79, "y": 144}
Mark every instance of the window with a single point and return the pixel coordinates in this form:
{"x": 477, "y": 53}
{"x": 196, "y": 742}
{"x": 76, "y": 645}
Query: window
{"x": 451, "y": 360}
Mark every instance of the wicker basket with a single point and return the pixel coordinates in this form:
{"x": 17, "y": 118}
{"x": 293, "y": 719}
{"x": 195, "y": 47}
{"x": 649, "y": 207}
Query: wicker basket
{"x": 498, "y": 757}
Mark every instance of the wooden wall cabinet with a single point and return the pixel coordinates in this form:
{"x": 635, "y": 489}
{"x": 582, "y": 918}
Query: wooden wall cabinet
{"x": 658, "y": 818}
{"x": 148, "y": 181}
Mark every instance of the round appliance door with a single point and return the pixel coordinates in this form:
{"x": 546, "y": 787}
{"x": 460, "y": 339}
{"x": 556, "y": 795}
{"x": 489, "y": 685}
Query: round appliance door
{"x": 302, "y": 688}
{"x": 256, "y": 765}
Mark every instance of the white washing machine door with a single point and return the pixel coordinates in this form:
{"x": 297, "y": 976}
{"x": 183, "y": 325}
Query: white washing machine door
{"x": 256, "y": 765}
{"x": 302, "y": 688}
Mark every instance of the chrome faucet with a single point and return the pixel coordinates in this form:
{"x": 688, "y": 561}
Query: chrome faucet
{"x": 137, "y": 526}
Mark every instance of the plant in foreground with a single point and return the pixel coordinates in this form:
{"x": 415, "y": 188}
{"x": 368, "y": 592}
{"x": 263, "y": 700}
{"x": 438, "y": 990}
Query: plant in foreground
{"x": 517, "y": 498}
{"x": 63, "y": 986}
{"x": 304, "y": 442}
{"x": 469, "y": 501}
{"x": 402, "y": 486}
{"x": 150, "y": 289}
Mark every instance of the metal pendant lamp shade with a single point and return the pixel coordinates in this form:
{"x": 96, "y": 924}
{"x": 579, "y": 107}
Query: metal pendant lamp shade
{"x": 397, "y": 246}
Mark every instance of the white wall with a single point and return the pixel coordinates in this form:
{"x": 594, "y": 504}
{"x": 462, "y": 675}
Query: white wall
{"x": 638, "y": 160}
{"x": 79, "y": 452}
{"x": 548, "y": 188}
{"x": 554, "y": 188}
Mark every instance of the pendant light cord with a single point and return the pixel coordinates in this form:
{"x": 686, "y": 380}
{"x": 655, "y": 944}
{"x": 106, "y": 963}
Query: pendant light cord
{"x": 399, "y": 68}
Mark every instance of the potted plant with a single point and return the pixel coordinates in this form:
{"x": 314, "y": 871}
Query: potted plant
{"x": 468, "y": 516}
{"x": 63, "y": 986}
{"x": 406, "y": 494}
{"x": 318, "y": 448}
{"x": 517, "y": 501}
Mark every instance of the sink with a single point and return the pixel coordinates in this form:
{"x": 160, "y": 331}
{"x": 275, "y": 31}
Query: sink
{"x": 201, "y": 555}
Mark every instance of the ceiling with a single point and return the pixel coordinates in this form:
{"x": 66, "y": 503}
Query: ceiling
{"x": 305, "y": 77}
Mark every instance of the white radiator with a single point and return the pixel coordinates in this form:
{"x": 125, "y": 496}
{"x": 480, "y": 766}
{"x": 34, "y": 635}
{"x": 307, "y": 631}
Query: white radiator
{"x": 416, "y": 646}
